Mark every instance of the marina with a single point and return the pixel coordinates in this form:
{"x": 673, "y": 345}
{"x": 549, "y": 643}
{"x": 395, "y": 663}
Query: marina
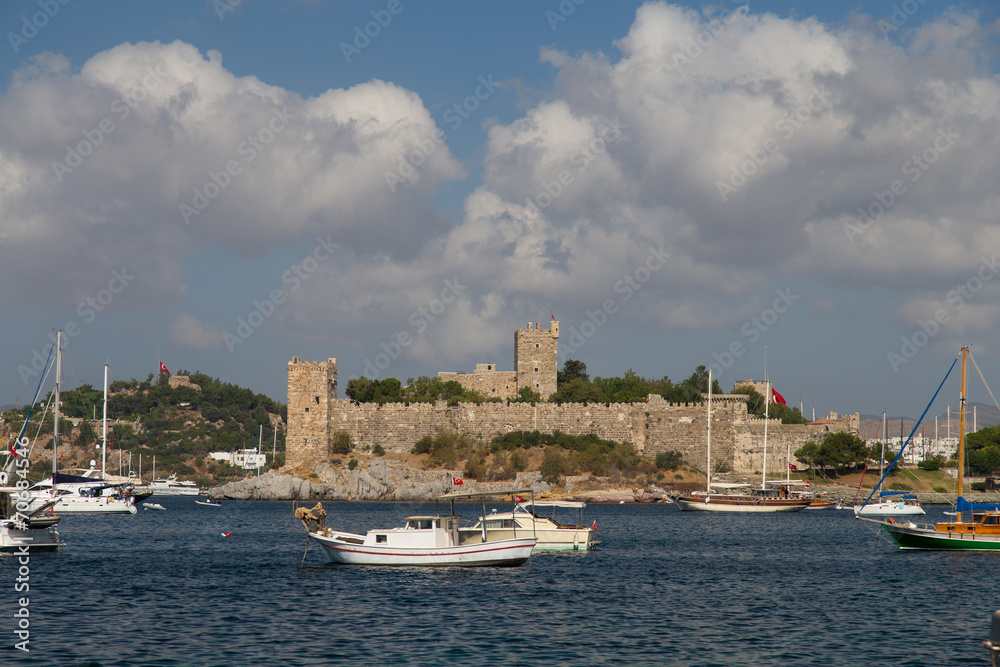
{"x": 170, "y": 588}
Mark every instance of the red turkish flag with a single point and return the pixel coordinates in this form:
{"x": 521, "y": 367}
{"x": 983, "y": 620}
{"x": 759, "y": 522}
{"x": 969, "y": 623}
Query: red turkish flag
{"x": 776, "y": 397}
{"x": 163, "y": 368}
{"x": 456, "y": 481}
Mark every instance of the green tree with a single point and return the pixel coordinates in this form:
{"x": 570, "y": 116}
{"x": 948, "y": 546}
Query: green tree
{"x": 578, "y": 390}
{"x": 572, "y": 370}
{"x": 528, "y": 395}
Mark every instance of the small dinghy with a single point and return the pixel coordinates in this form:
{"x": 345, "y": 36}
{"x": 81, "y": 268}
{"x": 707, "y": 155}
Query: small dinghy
{"x": 154, "y": 506}
{"x": 208, "y": 503}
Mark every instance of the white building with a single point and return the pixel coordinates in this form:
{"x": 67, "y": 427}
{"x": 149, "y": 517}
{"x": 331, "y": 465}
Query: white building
{"x": 248, "y": 459}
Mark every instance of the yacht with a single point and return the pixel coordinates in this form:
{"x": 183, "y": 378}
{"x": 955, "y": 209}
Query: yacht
{"x": 524, "y": 521}
{"x": 172, "y": 487}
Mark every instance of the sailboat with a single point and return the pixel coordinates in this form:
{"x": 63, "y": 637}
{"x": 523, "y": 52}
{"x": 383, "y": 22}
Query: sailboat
{"x": 24, "y": 530}
{"x": 76, "y": 494}
{"x": 981, "y": 533}
{"x": 891, "y": 503}
{"x": 730, "y": 497}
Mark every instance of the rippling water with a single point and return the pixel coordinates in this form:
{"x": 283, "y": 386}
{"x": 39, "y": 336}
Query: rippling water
{"x": 664, "y": 588}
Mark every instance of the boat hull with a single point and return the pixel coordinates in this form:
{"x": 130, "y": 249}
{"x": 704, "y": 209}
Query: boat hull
{"x": 913, "y": 537}
{"x": 504, "y": 553}
{"x": 15, "y": 540}
{"x": 741, "y": 505}
{"x": 888, "y": 509}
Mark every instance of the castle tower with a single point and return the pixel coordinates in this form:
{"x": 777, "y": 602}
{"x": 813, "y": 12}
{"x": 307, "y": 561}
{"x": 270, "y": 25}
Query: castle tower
{"x": 535, "y": 357}
{"x": 312, "y": 386}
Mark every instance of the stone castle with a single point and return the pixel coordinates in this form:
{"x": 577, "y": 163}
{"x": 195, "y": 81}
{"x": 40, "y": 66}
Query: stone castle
{"x": 315, "y": 413}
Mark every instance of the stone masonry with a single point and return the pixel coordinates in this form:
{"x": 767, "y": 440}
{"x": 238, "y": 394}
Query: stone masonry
{"x": 653, "y": 426}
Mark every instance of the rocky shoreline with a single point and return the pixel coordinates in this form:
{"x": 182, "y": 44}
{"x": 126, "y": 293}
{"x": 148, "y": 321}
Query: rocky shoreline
{"x": 384, "y": 480}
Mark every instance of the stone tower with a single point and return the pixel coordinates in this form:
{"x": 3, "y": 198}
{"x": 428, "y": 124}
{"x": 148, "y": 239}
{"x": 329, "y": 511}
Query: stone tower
{"x": 312, "y": 387}
{"x": 535, "y": 357}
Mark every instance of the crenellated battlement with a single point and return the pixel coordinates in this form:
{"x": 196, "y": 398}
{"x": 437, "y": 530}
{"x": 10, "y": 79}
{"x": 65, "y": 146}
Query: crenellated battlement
{"x": 654, "y": 425}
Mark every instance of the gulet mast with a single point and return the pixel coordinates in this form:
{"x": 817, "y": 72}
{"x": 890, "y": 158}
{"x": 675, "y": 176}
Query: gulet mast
{"x": 961, "y": 434}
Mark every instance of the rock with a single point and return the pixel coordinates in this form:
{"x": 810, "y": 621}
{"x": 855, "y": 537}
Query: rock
{"x": 378, "y": 480}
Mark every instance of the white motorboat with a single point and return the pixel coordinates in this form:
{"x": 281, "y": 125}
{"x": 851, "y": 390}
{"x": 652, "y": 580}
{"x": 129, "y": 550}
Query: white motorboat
{"x": 172, "y": 487}
{"x": 425, "y": 540}
{"x": 524, "y": 521}
{"x": 154, "y": 506}
{"x": 208, "y": 503}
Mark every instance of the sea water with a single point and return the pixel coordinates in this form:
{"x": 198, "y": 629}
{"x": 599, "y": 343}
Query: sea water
{"x": 664, "y": 587}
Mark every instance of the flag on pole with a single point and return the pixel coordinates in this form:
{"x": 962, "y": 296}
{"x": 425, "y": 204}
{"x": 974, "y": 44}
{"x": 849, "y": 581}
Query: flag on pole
{"x": 456, "y": 481}
{"x": 791, "y": 466}
{"x": 518, "y": 499}
{"x": 552, "y": 314}
{"x": 163, "y": 368}
{"x": 595, "y": 525}
{"x": 776, "y": 397}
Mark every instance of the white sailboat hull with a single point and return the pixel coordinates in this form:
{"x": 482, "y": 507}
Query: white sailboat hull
{"x": 496, "y": 554}
{"x": 14, "y": 539}
{"x": 888, "y": 509}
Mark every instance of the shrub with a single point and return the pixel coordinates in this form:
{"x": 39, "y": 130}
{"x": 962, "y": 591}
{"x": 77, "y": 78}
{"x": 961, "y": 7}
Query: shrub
{"x": 669, "y": 460}
{"x": 940, "y": 489}
{"x": 341, "y": 443}
{"x": 979, "y": 486}
{"x": 378, "y": 450}
{"x": 423, "y": 445}
{"x": 352, "y": 464}
{"x": 933, "y": 463}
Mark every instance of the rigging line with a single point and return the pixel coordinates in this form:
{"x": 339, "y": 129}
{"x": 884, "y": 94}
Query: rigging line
{"x": 983, "y": 379}
{"x": 34, "y": 400}
{"x": 915, "y": 426}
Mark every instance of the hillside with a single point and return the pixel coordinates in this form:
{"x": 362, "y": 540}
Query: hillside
{"x": 178, "y": 419}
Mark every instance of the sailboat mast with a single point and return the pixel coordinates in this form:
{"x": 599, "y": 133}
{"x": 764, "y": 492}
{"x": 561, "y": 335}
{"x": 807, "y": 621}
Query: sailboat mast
{"x": 961, "y": 431}
{"x": 708, "y": 448}
{"x": 881, "y": 460}
{"x": 767, "y": 404}
{"x": 104, "y": 429}
{"x": 55, "y": 428}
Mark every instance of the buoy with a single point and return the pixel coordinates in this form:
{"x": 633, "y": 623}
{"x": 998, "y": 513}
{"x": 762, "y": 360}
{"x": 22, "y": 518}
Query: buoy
{"x": 227, "y": 534}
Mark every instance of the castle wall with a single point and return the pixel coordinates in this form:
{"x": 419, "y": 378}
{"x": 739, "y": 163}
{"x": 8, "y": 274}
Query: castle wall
{"x": 487, "y": 381}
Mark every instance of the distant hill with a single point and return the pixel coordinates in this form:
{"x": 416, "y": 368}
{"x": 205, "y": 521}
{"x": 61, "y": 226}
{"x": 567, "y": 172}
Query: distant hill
{"x": 9, "y": 406}
{"x": 986, "y": 415}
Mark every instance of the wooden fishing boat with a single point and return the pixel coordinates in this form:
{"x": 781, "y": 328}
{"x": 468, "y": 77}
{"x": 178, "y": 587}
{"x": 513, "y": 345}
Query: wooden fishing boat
{"x": 424, "y": 540}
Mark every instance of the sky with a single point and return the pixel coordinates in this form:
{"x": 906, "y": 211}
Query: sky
{"x": 809, "y": 187}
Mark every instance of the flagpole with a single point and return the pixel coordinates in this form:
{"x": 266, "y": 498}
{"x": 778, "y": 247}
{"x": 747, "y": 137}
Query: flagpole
{"x": 767, "y": 403}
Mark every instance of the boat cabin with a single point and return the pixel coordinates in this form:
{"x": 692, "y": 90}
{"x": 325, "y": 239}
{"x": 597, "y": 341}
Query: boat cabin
{"x": 983, "y": 523}
{"x": 420, "y": 532}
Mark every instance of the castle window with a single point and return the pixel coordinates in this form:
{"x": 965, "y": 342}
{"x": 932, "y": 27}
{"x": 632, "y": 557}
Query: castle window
{"x": 537, "y": 345}
{"x": 536, "y": 385}
{"x": 317, "y": 400}
{"x": 536, "y": 369}
{"x": 307, "y": 409}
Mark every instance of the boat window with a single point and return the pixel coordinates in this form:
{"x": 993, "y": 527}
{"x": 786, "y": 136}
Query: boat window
{"x": 992, "y": 520}
{"x": 381, "y": 538}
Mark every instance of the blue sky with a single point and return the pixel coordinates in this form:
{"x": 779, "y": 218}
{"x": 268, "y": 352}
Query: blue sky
{"x": 714, "y": 156}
